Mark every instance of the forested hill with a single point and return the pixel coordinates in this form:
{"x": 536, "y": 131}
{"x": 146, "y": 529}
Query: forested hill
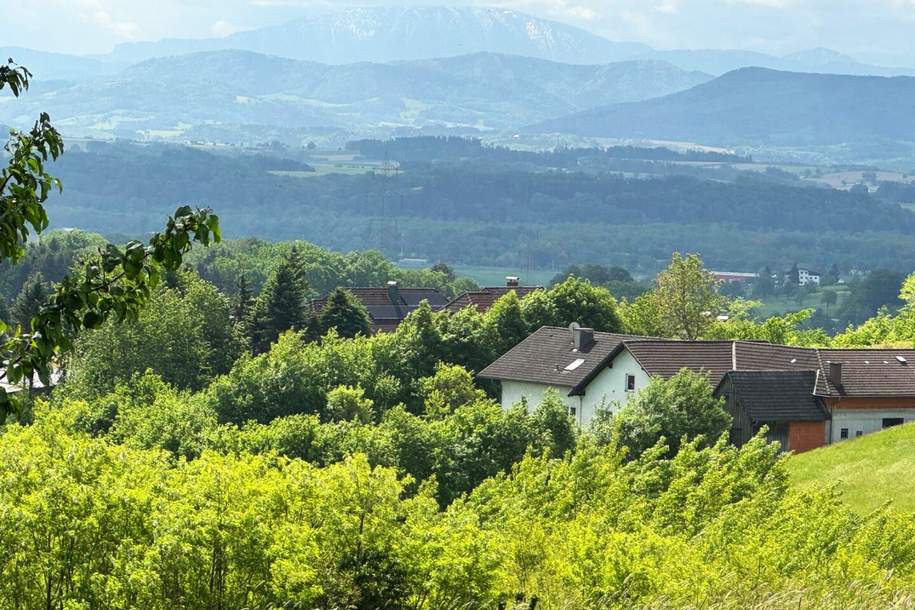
{"x": 755, "y": 105}
{"x": 487, "y": 213}
{"x": 241, "y": 90}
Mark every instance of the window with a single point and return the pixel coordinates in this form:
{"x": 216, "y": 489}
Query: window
{"x": 859, "y": 433}
{"x": 575, "y": 364}
{"x": 630, "y": 383}
{"x": 889, "y": 422}
{"x": 843, "y": 433}
{"x": 572, "y": 411}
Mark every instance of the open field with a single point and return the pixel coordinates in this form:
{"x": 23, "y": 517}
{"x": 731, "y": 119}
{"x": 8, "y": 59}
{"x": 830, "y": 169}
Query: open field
{"x": 869, "y": 471}
{"x": 846, "y": 180}
{"x": 779, "y": 304}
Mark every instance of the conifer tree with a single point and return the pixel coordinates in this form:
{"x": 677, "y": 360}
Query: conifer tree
{"x": 33, "y": 295}
{"x": 244, "y": 301}
{"x": 346, "y": 314}
{"x": 281, "y": 304}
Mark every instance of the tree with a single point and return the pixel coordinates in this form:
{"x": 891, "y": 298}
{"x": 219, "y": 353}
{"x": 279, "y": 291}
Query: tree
{"x": 686, "y": 297}
{"x": 682, "y": 407}
{"x": 116, "y": 282}
{"x": 280, "y": 305}
{"x": 184, "y": 335}
{"x": 880, "y": 288}
{"x": 244, "y": 301}
{"x": 448, "y": 389}
{"x": 348, "y": 403}
{"x": 445, "y": 270}
{"x": 28, "y": 302}
{"x": 346, "y": 314}
{"x": 574, "y": 300}
{"x": 828, "y": 299}
{"x": 505, "y": 323}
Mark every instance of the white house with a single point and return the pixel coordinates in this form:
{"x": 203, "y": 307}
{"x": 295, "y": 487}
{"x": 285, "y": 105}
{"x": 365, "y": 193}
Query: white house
{"x": 806, "y": 276}
{"x": 806, "y": 397}
{"x": 575, "y": 363}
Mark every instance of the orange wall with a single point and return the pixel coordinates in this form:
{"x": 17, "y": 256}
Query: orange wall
{"x": 871, "y": 403}
{"x": 806, "y": 435}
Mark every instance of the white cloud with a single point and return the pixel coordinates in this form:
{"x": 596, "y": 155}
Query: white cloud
{"x": 222, "y": 28}
{"x": 125, "y": 29}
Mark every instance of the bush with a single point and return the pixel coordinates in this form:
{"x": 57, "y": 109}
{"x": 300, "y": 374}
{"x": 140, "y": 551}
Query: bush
{"x": 680, "y": 408}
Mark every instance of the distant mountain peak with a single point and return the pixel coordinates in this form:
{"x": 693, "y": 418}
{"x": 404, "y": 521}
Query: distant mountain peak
{"x": 383, "y": 34}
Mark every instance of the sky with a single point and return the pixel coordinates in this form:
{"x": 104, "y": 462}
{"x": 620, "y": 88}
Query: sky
{"x": 878, "y": 31}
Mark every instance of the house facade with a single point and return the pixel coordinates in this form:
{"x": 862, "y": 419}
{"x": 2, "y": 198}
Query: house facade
{"x": 805, "y": 397}
{"x": 571, "y": 362}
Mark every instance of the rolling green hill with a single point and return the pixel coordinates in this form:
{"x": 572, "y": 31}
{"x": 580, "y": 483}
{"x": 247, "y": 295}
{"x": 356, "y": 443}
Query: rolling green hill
{"x": 869, "y": 471}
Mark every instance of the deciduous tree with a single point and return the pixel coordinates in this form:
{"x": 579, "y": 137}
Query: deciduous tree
{"x": 116, "y": 282}
{"x": 686, "y": 297}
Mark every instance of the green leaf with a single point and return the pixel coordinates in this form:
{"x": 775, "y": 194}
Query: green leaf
{"x": 92, "y": 320}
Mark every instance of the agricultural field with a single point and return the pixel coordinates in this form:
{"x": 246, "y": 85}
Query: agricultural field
{"x": 868, "y": 471}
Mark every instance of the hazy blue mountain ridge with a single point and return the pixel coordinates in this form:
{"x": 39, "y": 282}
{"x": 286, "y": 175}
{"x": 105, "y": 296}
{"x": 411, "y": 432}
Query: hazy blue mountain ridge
{"x": 755, "y": 105}
{"x": 485, "y": 91}
{"x": 382, "y": 34}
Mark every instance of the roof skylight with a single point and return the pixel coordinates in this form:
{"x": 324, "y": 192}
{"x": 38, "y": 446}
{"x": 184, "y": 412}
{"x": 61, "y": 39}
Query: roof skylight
{"x": 575, "y": 364}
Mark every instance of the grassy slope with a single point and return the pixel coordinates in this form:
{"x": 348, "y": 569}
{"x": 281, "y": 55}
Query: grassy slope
{"x": 870, "y": 470}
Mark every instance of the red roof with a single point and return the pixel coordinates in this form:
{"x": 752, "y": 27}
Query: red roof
{"x": 484, "y": 298}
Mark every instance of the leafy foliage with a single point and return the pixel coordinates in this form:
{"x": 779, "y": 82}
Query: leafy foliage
{"x": 680, "y": 409}
{"x": 116, "y": 283}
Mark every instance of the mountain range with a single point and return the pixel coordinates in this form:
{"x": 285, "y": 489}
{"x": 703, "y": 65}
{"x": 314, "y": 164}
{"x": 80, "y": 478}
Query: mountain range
{"x": 760, "y": 106}
{"x": 483, "y": 91}
{"x": 384, "y": 34}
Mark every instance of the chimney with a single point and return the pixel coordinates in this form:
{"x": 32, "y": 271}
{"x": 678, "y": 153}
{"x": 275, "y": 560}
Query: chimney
{"x": 394, "y": 292}
{"x": 582, "y": 338}
{"x": 835, "y": 373}
{"x": 512, "y": 281}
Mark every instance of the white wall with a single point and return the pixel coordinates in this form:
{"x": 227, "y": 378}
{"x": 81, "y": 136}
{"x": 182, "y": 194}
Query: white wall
{"x": 514, "y": 391}
{"x": 607, "y": 390}
{"x": 864, "y": 421}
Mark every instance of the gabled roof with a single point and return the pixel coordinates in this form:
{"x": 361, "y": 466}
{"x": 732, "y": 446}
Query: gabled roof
{"x": 776, "y": 396}
{"x": 385, "y": 312}
{"x": 543, "y": 357}
{"x": 869, "y": 372}
{"x": 485, "y": 298}
{"x": 660, "y": 358}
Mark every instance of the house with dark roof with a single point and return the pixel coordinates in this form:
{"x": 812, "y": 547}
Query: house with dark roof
{"x": 574, "y": 361}
{"x": 485, "y": 298}
{"x": 388, "y": 306}
{"x": 806, "y": 397}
